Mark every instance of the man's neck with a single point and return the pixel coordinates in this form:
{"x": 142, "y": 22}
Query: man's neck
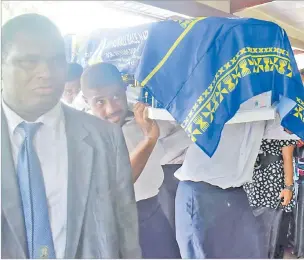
{"x": 27, "y": 116}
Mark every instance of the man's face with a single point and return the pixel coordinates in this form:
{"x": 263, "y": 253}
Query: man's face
{"x": 108, "y": 103}
{"x": 71, "y": 90}
{"x": 34, "y": 72}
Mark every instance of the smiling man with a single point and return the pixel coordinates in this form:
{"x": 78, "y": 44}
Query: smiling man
{"x": 57, "y": 201}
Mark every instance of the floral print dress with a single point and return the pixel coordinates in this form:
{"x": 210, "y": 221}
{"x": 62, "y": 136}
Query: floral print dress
{"x": 268, "y": 182}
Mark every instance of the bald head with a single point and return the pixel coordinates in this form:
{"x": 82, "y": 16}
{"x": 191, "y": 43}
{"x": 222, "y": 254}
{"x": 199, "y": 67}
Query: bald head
{"x": 29, "y": 24}
{"x": 103, "y": 87}
{"x": 101, "y": 75}
{"x": 33, "y": 64}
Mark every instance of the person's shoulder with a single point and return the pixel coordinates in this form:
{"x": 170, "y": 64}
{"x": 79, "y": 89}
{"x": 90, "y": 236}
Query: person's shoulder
{"x": 132, "y": 130}
{"x": 92, "y": 123}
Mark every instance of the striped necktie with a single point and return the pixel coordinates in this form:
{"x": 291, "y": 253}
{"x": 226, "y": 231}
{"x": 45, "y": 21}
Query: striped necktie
{"x": 33, "y": 196}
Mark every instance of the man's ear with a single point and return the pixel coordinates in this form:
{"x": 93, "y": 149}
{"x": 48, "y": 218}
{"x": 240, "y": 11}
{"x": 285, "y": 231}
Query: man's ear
{"x": 85, "y": 99}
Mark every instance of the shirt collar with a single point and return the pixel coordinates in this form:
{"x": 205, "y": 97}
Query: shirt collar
{"x": 50, "y": 119}
{"x": 129, "y": 118}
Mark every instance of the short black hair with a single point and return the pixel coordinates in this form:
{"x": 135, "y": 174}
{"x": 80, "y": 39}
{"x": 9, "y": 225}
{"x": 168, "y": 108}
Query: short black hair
{"x": 27, "y": 23}
{"x": 75, "y": 71}
{"x": 302, "y": 71}
{"x": 101, "y": 75}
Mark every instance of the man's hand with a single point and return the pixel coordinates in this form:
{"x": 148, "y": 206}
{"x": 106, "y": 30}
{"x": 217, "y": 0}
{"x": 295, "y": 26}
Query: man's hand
{"x": 148, "y": 126}
{"x": 287, "y": 195}
{"x": 300, "y": 143}
{"x": 140, "y": 155}
{"x": 287, "y": 131}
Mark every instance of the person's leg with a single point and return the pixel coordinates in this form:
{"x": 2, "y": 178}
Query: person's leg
{"x": 231, "y": 228}
{"x": 216, "y": 223}
{"x": 167, "y": 192}
{"x": 282, "y": 242}
{"x": 291, "y": 230}
{"x": 299, "y": 227}
{"x": 187, "y": 221}
{"x": 271, "y": 222}
{"x": 156, "y": 237}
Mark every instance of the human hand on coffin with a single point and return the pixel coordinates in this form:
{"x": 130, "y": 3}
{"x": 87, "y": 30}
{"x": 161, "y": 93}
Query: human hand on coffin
{"x": 287, "y": 131}
{"x": 300, "y": 143}
{"x": 149, "y": 127}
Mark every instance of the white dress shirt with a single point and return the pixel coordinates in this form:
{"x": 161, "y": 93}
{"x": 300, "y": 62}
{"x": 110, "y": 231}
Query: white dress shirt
{"x": 233, "y": 162}
{"x": 51, "y": 146}
{"x": 79, "y": 103}
{"x": 174, "y": 141}
{"x": 151, "y": 178}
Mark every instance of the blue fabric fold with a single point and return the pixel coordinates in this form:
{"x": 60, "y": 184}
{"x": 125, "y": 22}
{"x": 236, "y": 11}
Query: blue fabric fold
{"x": 202, "y": 70}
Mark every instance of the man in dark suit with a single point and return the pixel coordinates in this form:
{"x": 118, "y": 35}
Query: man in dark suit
{"x": 66, "y": 180}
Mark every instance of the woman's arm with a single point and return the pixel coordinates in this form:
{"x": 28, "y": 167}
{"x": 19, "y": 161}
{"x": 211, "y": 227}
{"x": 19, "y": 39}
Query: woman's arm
{"x": 287, "y": 152}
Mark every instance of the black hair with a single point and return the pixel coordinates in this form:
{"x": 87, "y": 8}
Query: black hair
{"x": 101, "y": 75}
{"x": 302, "y": 71}
{"x": 75, "y": 71}
{"x": 32, "y": 24}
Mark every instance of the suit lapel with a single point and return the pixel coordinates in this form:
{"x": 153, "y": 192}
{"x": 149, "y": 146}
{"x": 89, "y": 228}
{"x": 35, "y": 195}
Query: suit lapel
{"x": 80, "y": 159}
{"x": 10, "y": 195}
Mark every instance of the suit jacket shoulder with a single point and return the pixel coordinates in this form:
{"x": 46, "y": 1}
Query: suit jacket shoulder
{"x": 101, "y": 190}
{"x": 93, "y": 125}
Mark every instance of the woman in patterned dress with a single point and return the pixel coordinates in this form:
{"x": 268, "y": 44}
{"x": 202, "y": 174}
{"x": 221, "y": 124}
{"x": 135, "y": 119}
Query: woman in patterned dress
{"x": 270, "y": 193}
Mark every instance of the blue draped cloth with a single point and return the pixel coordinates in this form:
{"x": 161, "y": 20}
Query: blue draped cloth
{"x": 202, "y": 70}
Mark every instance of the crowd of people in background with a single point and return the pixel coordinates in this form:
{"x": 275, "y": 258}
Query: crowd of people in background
{"x": 108, "y": 182}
